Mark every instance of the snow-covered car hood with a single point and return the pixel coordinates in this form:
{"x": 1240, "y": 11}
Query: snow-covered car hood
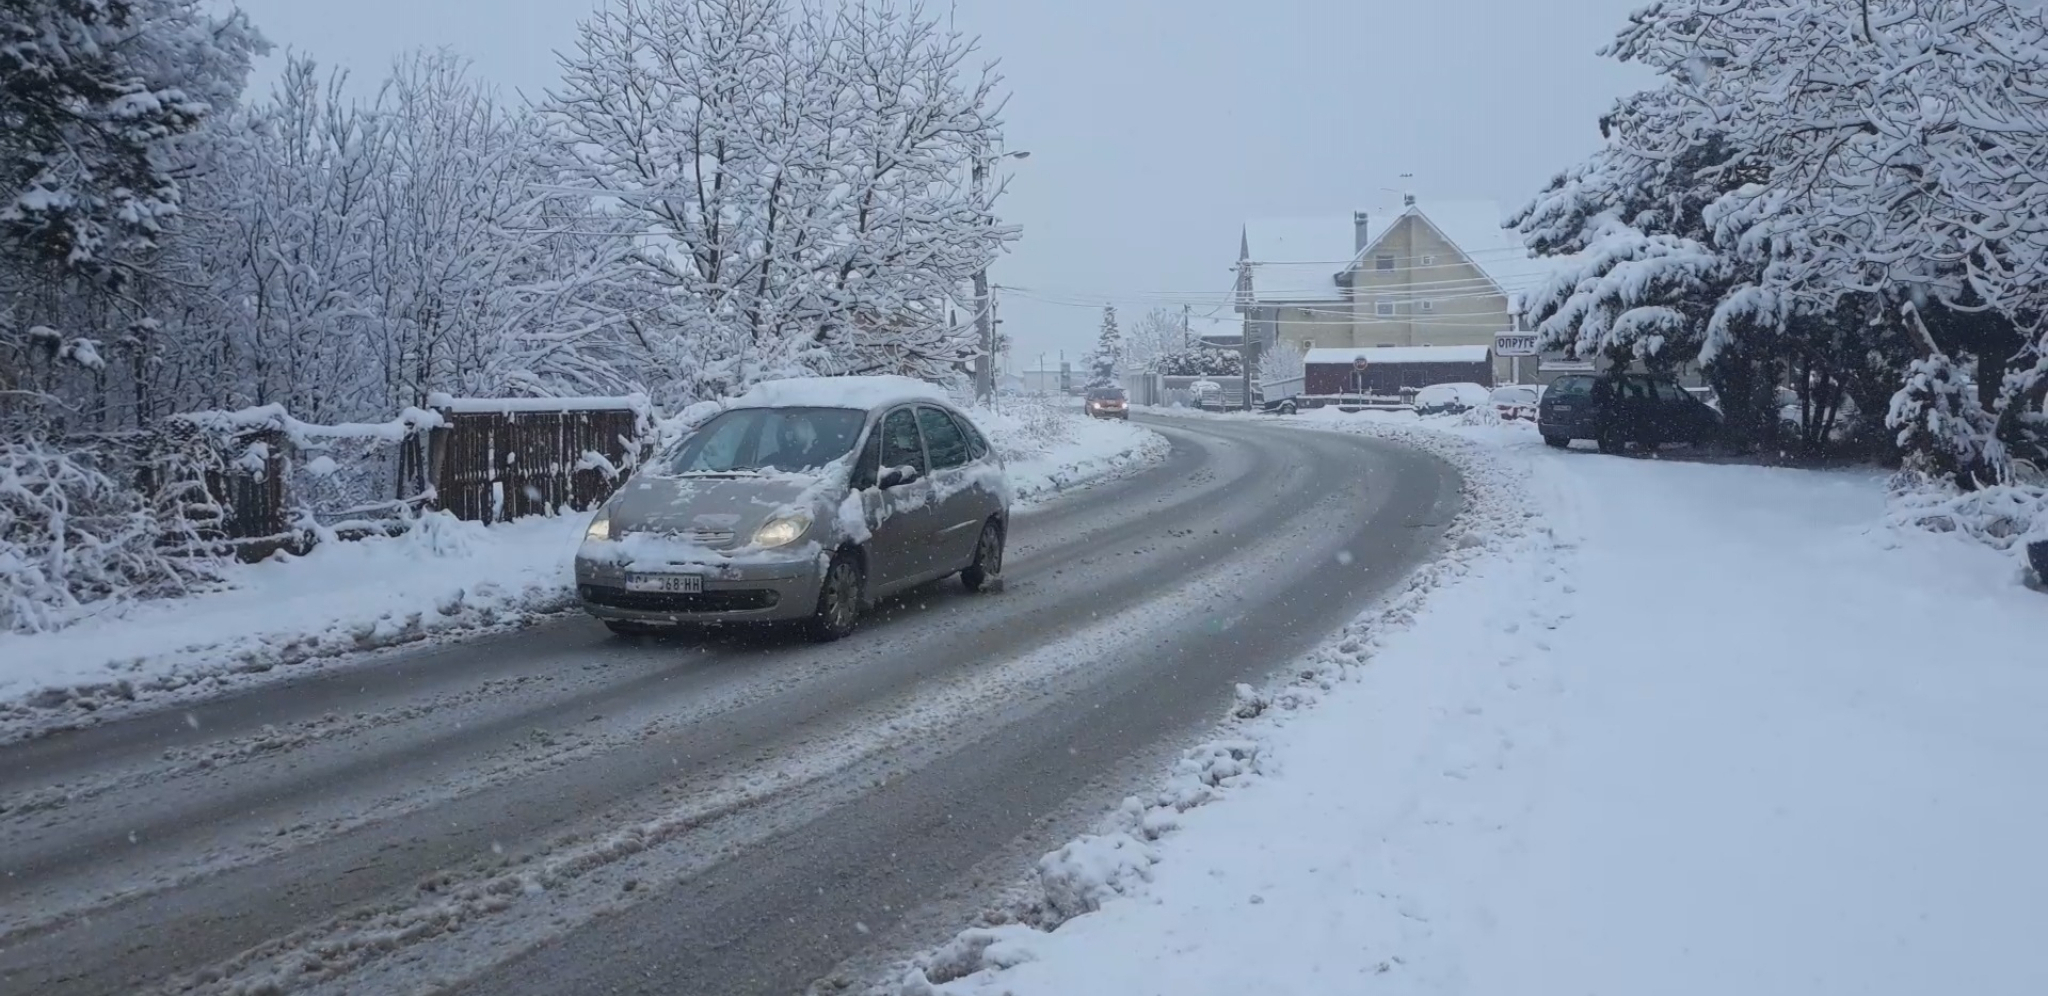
{"x": 718, "y": 513}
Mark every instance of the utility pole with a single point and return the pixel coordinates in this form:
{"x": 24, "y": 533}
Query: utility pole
{"x": 984, "y": 325}
{"x": 1187, "y": 339}
{"x": 1246, "y": 352}
{"x": 984, "y": 362}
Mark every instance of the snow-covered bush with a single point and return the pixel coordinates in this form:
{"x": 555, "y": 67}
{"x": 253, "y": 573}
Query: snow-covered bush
{"x": 72, "y": 535}
{"x": 1942, "y": 428}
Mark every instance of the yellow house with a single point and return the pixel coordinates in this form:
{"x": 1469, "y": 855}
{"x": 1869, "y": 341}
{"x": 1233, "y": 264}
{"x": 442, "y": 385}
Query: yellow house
{"x": 1423, "y": 274}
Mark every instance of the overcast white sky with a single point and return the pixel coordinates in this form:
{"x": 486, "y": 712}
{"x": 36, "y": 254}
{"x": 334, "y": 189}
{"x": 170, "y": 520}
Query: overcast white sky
{"x": 1156, "y": 127}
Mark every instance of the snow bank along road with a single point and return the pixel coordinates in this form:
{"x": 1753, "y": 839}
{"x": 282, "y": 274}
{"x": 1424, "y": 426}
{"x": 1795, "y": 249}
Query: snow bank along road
{"x": 556, "y": 811}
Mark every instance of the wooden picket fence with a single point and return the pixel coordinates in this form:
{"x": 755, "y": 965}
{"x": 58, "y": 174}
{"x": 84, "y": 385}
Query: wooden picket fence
{"x": 494, "y": 460}
{"x": 482, "y": 459}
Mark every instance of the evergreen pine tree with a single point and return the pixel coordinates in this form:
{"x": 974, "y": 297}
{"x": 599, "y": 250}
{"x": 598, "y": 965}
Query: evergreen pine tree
{"x": 1108, "y": 353}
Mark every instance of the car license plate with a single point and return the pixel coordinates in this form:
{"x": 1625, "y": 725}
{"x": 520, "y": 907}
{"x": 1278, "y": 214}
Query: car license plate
{"x": 668, "y": 584}
{"x": 1560, "y": 408}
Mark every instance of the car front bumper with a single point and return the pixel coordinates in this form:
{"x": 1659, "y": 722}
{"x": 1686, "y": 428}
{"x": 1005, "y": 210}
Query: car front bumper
{"x": 733, "y": 593}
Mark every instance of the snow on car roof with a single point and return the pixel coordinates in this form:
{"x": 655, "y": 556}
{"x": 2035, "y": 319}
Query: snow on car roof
{"x": 837, "y": 392}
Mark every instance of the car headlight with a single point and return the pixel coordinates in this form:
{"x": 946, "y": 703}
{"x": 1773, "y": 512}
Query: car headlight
{"x": 782, "y": 531}
{"x": 600, "y": 526}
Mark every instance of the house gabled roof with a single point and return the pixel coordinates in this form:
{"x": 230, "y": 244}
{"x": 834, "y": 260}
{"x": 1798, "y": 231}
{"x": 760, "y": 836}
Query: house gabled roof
{"x": 1297, "y": 259}
{"x": 1474, "y": 229}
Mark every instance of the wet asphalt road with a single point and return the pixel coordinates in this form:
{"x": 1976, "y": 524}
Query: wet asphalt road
{"x": 560, "y": 811}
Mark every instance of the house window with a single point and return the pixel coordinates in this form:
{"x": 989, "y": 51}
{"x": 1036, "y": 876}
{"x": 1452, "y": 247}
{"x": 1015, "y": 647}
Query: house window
{"x": 1429, "y": 260}
{"x": 1383, "y": 309}
{"x": 1425, "y": 306}
{"x": 1383, "y": 262}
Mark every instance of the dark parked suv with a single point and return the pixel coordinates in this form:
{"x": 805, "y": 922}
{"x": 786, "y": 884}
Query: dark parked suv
{"x": 1617, "y": 409}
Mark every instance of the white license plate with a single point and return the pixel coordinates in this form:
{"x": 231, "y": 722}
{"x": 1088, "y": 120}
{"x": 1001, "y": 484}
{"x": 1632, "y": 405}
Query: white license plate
{"x": 669, "y": 584}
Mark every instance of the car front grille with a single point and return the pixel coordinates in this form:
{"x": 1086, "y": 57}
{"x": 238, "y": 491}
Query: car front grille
{"x": 741, "y": 600}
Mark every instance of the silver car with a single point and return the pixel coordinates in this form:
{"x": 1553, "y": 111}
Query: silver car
{"x": 804, "y": 500}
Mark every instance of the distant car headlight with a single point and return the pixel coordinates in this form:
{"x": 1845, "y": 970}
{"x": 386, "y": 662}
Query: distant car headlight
{"x": 600, "y": 526}
{"x": 782, "y": 531}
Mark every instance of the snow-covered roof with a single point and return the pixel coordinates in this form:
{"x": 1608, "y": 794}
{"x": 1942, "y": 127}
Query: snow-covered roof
{"x": 1399, "y": 354}
{"x": 1297, "y": 259}
{"x": 837, "y": 392}
{"x": 1474, "y": 227}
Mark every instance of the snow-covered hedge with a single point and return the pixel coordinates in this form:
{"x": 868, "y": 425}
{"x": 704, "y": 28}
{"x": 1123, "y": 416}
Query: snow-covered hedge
{"x": 72, "y": 535}
{"x": 2003, "y": 516}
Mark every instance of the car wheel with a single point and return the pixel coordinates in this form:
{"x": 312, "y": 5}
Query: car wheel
{"x": 838, "y": 599}
{"x": 986, "y": 572}
{"x": 1287, "y": 408}
{"x": 1556, "y": 442}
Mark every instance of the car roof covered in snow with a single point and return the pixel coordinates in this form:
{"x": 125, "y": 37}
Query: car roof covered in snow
{"x": 838, "y": 392}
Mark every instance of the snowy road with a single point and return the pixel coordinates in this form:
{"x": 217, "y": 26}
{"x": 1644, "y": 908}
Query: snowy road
{"x": 557, "y": 811}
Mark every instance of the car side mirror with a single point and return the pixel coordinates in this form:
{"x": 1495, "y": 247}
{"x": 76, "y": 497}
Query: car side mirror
{"x": 896, "y": 477}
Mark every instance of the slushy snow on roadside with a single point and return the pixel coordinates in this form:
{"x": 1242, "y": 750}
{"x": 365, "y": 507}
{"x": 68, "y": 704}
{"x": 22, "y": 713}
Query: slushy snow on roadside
{"x": 443, "y": 580}
{"x": 1653, "y": 726}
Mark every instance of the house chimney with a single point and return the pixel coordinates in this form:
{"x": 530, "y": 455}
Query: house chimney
{"x": 1407, "y": 200}
{"x": 1358, "y": 232}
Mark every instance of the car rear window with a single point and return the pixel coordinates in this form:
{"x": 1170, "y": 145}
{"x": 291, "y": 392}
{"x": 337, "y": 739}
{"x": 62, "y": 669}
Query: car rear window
{"x": 1567, "y": 388}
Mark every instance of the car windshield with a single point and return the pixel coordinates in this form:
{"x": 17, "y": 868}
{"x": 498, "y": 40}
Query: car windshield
{"x": 751, "y": 440}
{"x": 1106, "y": 394}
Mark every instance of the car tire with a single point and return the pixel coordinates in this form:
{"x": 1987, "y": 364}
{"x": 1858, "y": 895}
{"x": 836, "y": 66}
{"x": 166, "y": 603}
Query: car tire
{"x": 1287, "y": 408}
{"x": 839, "y": 596}
{"x": 986, "y": 572}
{"x": 1556, "y": 442}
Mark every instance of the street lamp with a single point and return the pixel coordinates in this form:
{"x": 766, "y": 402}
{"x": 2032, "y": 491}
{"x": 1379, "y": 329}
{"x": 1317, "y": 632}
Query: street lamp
{"x": 985, "y": 361}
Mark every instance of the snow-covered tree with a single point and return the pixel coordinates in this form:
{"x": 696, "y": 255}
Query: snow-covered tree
{"x": 96, "y": 98}
{"x": 1155, "y": 334}
{"x": 1813, "y": 174}
{"x": 98, "y": 93}
{"x": 1107, "y": 358}
{"x": 1283, "y": 360}
{"x": 804, "y": 176}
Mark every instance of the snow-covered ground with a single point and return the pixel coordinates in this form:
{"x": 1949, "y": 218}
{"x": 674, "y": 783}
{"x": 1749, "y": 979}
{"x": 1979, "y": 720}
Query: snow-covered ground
{"x": 1654, "y": 727}
{"x": 451, "y": 579}
{"x": 1049, "y": 445}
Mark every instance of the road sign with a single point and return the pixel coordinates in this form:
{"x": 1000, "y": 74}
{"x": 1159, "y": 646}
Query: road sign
{"x": 1358, "y": 363}
{"x": 1514, "y": 344}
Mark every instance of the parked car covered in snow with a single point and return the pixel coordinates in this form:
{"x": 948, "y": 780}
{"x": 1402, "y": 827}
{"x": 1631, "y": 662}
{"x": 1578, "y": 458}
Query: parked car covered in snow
{"x": 1450, "y": 399}
{"x": 1516, "y": 401}
{"x": 803, "y": 500}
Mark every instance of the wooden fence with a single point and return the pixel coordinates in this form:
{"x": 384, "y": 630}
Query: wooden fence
{"x": 263, "y": 473}
{"x": 493, "y": 460}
